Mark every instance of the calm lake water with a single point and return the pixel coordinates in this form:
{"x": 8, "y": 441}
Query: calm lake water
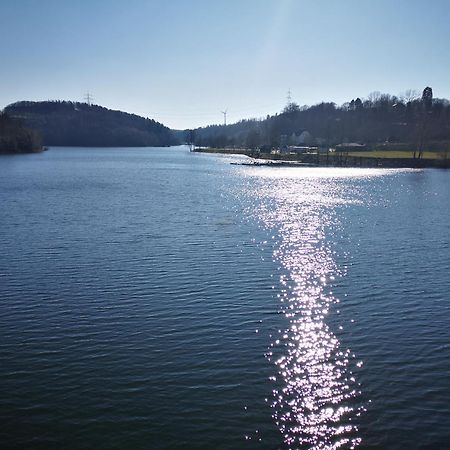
{"x": 157, "y": 299}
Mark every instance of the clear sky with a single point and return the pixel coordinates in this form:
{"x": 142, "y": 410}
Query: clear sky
{"x": 182, "y": 62}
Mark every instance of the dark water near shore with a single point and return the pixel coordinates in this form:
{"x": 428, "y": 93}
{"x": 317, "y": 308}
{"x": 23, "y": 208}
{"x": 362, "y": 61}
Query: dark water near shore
{"x": 153, "y": 298}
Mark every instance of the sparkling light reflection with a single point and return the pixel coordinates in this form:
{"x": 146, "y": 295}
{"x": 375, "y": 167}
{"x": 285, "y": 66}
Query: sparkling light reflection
{"x": 315, "y": 396}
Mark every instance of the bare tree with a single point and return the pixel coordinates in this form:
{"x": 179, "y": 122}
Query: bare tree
{"x": 427, "y": 101}
{"x": 373, "y": 97}
{"x": 409, "y": 95}
{"x": 191, "y": 137}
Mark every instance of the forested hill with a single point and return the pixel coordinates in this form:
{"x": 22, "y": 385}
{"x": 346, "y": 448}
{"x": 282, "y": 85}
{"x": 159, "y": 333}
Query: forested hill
{"x": 408, "y": 121}
{"x": 64, "y": 123}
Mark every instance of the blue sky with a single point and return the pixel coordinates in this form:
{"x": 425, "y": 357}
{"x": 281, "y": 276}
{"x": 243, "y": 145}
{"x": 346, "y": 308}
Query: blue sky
{"x": 181, "y": 62}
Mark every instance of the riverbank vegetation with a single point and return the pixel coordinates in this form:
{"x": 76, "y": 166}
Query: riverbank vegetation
{"x": 15, "y": 138}
{"x": 411, "y": 122}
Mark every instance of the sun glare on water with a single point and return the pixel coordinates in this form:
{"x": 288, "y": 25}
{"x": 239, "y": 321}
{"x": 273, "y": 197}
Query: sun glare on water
{"x": 315, "y": 400}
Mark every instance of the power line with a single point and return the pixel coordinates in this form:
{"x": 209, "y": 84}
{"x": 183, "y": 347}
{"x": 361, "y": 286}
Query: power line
{"x": 176, "y": 113}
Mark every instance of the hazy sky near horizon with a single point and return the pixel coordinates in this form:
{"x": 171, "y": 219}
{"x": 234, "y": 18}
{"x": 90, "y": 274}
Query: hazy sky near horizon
{"x": 183, "y": 62}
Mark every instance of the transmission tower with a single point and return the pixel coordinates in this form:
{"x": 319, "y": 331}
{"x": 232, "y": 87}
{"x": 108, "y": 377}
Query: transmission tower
{"x": 289, "y": 97}
{"x": 89, "y": 97}
{"x": 225, "y": 117}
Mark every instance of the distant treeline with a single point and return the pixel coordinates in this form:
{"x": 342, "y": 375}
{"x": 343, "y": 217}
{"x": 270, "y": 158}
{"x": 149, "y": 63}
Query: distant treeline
{"x": 64, "y": 123}
{"x": 412, "y": 121}
{"x": 15, "y": 138}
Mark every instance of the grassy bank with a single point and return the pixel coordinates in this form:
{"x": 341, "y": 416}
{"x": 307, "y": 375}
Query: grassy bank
{"x": 396, "y": 154}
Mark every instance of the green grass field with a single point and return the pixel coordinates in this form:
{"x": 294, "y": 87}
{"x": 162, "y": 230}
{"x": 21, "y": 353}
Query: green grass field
{"x": 397, "y": 154}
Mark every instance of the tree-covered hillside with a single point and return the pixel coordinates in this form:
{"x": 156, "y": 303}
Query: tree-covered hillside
{"x": 15, "y": 138}
{"x": 412, "y": 121}
{"x": 64, "y": 123}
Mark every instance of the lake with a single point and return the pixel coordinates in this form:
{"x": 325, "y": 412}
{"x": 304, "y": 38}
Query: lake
{"x": 155, "y": 298}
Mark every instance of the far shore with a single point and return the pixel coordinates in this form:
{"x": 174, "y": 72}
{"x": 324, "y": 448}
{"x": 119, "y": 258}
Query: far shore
{"x": 24, "y": 152}
{"x": 374, "y": 158}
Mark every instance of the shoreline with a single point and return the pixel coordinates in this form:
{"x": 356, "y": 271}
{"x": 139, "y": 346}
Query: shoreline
{"x": 25, "y": 152}
{"x": 339, "y": 159}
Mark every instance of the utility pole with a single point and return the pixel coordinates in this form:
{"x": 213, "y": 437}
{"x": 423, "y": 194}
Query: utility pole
{"x": 89, "y": 97}
{"x": 225, "y": 117}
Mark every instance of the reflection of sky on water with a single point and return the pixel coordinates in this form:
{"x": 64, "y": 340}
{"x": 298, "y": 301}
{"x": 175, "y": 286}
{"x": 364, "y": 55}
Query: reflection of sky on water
{"x": 315, "y": 395}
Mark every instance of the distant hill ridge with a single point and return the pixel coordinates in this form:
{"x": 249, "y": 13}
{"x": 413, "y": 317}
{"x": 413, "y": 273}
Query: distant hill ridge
{"x": 66, "y": 123}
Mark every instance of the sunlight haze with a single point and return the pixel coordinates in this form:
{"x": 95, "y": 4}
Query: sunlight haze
{"x": 182, "y": 63}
